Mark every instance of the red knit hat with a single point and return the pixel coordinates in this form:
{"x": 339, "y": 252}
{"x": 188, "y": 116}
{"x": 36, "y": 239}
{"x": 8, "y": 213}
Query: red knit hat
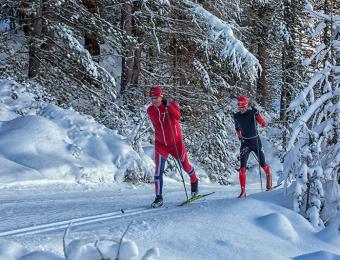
{"x": 156, "y": 92}
{"x": 242, "y": 101}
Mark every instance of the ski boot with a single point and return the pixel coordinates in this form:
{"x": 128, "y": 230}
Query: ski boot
{"x": 194, "y": 188}
{"x": 268, "y": 178}
{"x": 269, "y": 186}
{"x": 242, "y": 194}
{"x": 158, "y": 202}
{"x": 242, "y": 176}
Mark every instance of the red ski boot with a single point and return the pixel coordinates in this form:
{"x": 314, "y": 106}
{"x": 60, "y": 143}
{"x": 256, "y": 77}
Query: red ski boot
{"x": 242, "y": 176}
{"x": 268, "y": 177}
{"x": 242, "y": 194}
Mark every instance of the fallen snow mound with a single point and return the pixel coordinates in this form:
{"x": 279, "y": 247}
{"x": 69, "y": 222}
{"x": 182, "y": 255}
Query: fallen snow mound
{"x": 10, "y": 250}
{"x": 279, "y": 225}
{"x": 81, "y": 249}
{"x": 40, "y": 141}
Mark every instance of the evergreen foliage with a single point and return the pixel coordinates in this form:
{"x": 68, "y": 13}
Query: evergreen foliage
{"x": 312, "y": 163}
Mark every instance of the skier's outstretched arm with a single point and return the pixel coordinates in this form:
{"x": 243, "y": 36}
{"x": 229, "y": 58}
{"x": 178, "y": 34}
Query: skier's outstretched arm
{"x": 259, "y": 118}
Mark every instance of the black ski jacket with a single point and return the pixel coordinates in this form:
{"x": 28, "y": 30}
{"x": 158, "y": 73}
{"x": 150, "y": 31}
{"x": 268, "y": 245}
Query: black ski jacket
{"x": 245, "y": 123}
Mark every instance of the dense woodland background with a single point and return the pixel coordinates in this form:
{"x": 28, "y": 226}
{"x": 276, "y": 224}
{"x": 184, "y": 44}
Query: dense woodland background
{"x": 100, "y": 57}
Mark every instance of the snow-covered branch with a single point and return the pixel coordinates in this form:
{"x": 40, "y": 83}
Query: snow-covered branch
{"x": 314, "y": 146}
{"x": 233, "y": 50}
{"x": 306, "y": 116}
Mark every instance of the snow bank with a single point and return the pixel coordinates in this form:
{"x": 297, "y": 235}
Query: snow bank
{"x": 324, "y": 255}
{"x": 34, "y": 143}
{"x": 40, "y": 141}
{"x": 11, "y": 250}
{"x": 80, "y": 249}
{"x": 106, "y": 249}
{"x": 331, "y": 234}
{"x": 279, "y": 225}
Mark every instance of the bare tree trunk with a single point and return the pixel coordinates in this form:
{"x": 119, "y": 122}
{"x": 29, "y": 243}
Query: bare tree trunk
{"x": 326, "y": 37}
{"x": 34, "y": 44}
{"x": 91, "y": 41}
{"x": 137, "y": 66}
{"x": 174, "y": 61}
{"x": 46, "y": 15}
{"x": 309, "y": 182}
{"x": 127, "y": 60}
{"x": 23, "y": 14}
{"x": 12, "y": 14}
{"x": 132, "y": 63}
{"x": 288, "y": 67}
{"x": 262, "y": 84}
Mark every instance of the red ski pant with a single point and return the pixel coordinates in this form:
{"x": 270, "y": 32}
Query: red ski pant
{"x": 161, "y": 155}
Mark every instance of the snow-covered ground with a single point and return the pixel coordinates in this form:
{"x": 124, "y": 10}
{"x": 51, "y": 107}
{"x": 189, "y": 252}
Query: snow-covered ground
{"x": 218, "y": 227}
{"x": 59, "y": 167}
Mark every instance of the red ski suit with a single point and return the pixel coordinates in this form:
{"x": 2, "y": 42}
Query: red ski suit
{"x": 167, "y": 139}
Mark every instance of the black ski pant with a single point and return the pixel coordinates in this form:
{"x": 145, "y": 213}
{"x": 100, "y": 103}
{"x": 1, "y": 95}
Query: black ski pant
{"x": 251, "y": 145}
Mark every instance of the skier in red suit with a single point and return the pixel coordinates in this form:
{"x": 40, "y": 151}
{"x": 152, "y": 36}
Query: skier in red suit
{"x": 165, "y": 116}
{"x": 245, "y": 127}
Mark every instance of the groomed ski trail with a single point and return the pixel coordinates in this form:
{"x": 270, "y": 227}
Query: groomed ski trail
{"x": 77, "y": 221}
{"x": 118, "y": 214}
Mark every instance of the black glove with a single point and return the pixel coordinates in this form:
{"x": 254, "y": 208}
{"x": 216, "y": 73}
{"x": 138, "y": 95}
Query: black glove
{"x": 166, "y": 102}
{"x": 253, "y": 107}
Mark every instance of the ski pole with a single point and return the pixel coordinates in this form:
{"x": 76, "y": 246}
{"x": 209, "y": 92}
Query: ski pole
{"x": 178, "y": 168}
{"x": 258, "y": 150}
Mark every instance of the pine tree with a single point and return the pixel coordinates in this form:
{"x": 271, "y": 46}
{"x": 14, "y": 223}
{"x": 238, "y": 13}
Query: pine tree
{"x": 291, "y": 60}
{"x": 257, "y": 19}
{"x": 312, "y": 163}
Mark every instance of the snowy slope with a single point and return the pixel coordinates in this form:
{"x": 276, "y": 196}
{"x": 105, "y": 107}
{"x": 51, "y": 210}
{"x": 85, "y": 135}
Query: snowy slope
{"x": 53, "y": 144}
{"x": 59, "y": 167}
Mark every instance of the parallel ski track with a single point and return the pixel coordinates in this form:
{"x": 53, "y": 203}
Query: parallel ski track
{"x": 79, "y": 221}
{"x": 118, "y": 214}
